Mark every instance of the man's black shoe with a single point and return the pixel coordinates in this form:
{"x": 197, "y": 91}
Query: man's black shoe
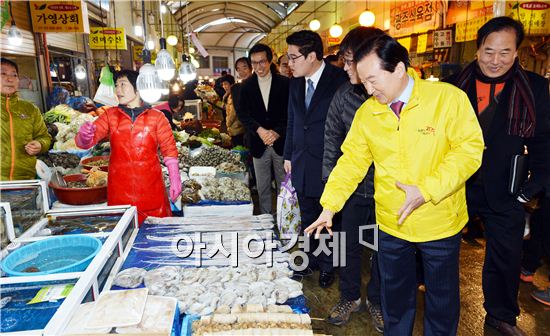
{"x": 504, "y": 328}
{"x": 326, "y": 279}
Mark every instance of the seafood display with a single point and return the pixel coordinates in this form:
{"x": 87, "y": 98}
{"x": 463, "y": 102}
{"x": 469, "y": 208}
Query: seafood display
{"x": 77, "y": 184}
{"x": 214, "y": 156}
{"x": 230, "y": 167}
{"x": 74, "y": 225}
{"x": 130, "y": 278}
{"x": 98, "y": 163}
{"x": 202, "y": 291}
{"x": 96, "y": 177}
{"x": 190, "y": 191}
{"x": 26, "y": 209}
{"x": 65, "y": 160}
{"x": 275, "y": 320}
{"x": 225, "y": 189}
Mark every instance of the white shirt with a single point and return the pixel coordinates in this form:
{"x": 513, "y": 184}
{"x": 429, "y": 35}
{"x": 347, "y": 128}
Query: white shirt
{"x": 405, "y": 96}
{"x": 265, "y": 87}
{"x": 316, "y": 76}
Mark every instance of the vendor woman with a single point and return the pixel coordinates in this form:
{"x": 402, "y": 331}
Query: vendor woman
{"x": 136, "y": 132}
{"x": 24, "y": 134}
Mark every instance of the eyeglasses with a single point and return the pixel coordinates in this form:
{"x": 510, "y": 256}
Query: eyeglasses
{"x": 293, "y": 58}
{"x": 348, "y": 62}
{"x": 262, "y": 62}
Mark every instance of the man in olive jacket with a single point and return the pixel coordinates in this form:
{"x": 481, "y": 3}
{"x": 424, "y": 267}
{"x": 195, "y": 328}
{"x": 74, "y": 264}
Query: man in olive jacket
{"x": 24, "y": 134}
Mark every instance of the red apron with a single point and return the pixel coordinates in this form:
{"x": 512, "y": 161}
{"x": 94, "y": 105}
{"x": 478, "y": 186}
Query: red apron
{"x": 135, "y": 175}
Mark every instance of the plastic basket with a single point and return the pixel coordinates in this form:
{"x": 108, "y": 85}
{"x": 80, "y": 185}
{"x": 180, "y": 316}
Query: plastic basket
{"x": 72, "y": 253}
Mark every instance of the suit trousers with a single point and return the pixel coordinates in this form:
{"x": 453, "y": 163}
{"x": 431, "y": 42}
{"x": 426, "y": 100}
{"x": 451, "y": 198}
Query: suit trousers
{"x": 262, "y": 169}
{"x": 357, "y": 212}
{"x": 502, "y": 265}
{"x": 310, "y": 209}
{"x": 397, "y": 260}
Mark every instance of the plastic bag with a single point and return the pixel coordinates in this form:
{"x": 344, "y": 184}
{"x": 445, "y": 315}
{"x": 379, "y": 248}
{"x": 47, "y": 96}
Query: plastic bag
{"x": 106, "y": 91}
{"x": 289, "y": 221}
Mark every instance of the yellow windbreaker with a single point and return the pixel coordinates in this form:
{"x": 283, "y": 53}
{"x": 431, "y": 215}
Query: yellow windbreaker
{"x": 436, "y": 145}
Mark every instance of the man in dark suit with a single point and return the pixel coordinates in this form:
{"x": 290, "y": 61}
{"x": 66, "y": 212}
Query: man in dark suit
{"x": 513, "y": 111}
{"x": 263, "y": 111}
{"x": 311, "y": 91}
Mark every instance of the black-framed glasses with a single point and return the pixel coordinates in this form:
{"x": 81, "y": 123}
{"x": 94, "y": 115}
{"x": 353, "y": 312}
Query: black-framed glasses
{"x": 261, "y": 62}
{"x": 293, "y": 58}
{"x": 348, "y": 62}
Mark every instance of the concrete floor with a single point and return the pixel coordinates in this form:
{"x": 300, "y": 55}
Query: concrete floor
{"x": 534, "y": 318}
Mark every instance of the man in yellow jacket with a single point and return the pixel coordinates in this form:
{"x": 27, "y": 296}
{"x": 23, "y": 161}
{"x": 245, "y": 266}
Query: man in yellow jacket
{"x": 425, "y": 142}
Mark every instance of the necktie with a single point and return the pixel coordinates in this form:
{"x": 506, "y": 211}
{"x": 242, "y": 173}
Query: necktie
{"x": 309, "y": 92}
{"x": 396, "y": 107}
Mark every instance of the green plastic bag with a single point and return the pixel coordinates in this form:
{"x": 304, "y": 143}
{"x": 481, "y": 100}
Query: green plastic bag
{"x": 105, "y": 93}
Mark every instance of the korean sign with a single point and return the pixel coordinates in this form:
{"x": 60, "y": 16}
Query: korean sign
{"x": 467, "y": 31}
{"x": 59, "y": 16}
{"x": 138, "y": 50}
{"x": 443, "y": 38}
{"x": 413, "y": 17}
{"x": 533, "y": 14}
{"x": 108, "y": 38}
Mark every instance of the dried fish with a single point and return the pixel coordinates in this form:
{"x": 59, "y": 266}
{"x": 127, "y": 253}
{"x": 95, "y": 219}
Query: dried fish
{"x": 130, "y": 278}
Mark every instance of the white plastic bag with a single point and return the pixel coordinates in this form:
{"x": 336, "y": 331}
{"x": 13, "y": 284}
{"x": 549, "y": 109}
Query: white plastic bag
{"x": 288, "y": 210}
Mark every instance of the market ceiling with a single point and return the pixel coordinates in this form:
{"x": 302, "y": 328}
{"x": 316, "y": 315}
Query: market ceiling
{"x": 232, "y": 24}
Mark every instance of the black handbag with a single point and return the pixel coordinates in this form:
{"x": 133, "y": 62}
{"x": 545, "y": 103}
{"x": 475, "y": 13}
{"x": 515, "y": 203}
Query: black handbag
{"x": 519, "y": 170}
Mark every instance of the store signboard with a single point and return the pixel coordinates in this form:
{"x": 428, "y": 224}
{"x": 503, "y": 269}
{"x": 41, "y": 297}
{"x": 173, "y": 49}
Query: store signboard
{"x": 422, "y": 43}
{"x": 405, "y": 42}
{"x": 467, "y": 31}
{"x": 137, "y": 50}
{"x": 466, "y": 10}
{"x": 107, "y": 38}
{"x": 413, "y": 17}
{"x": 59, "y": 16}
{"x": 333, "y": 41}
{"x": 534, "y": 15}
{"x": 443, "y": 38}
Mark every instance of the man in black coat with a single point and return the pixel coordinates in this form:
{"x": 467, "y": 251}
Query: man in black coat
{"x": 513, "y": 110}
{"x": 359, "y": 209}
{"x": 311, "y": 91}
{"x": 263, "y": 111}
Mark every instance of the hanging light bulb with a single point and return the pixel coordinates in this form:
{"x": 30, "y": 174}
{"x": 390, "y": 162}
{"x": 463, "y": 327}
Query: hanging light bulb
{"x": 314, "y": 25}
{"x": 187, "y": 71}
{"x": 335, "y": 30}
{"x": 367, "y": 18}
{"x": 80, "y": 71}
{"x": 14, "y": 35}
{"x": 176, "y": 87}
{"x": 163, "y": 9}
{"x": 138, "y": 30}
{"x": 191, "y": 50}
{"x": 172, "y": 40}
{"x": 164, "y": 64}
{"x": 149, "y": 84}
{"x": 195, "y": 62}
{"x": 150, "y": 44}
{"x": 165, "y": 89}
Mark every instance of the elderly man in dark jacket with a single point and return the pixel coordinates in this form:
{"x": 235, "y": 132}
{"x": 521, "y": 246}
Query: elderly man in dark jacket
{"x": 359, "y": 210}
{"x": 513, "y": 111}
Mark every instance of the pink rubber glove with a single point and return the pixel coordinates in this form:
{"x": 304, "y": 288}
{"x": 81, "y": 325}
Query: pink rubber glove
{"x": 85, "y": 137}
{"x": 175, "y": 178}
